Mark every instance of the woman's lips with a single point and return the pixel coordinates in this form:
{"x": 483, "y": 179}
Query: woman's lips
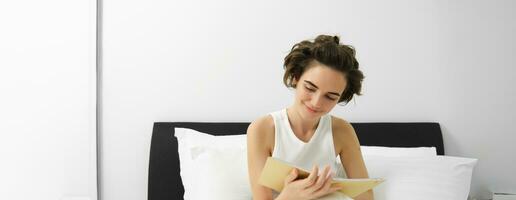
{"x": 310, "y": 109}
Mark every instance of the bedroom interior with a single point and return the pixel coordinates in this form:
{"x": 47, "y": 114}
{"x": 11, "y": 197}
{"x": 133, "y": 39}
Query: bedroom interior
{"x": 92, "y": 91}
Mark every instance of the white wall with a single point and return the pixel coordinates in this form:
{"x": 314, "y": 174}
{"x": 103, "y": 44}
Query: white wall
{"x": 48, "y": 97}
{"x": 446, "y": 62}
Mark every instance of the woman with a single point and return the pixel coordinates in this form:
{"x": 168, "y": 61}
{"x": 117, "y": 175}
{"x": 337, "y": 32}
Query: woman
{"x": 323, "y": 73}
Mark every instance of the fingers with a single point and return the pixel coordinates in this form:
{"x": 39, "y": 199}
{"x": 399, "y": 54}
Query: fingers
{"x": 291, "y": 177}
{"x": 322, "y": 180}
{"x": 326, "y": 172}
{"x": 334, "y": 188}
{"x": 328, "y": 186}
{"x": 310, "y": 180}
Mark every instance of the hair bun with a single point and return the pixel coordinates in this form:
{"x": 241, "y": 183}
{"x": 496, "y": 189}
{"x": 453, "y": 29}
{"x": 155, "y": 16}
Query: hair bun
{"x": 336, "y": 39}
{"x": 327, "y": 39}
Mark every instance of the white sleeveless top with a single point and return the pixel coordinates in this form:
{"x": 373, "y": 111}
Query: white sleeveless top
{"x": 319, "y": 150}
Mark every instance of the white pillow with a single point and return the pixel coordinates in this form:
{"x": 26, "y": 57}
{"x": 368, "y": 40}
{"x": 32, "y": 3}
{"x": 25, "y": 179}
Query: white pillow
{"x": 184, "y": 138}
{"x": 206, "y": 161}
{"x": 200, "y": 153}
{"x": 398, "y": 151}
{"x": 390, "y": 152}
{"x": 439, "y": 177}
{"x": 222, "y": 174}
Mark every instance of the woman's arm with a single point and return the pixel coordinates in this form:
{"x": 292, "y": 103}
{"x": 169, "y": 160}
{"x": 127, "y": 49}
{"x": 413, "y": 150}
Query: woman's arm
{"x": 351, "y": 156}
{"x": 257, "y": 152}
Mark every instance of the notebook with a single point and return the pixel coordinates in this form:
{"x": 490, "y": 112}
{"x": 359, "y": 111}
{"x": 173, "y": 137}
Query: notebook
{"x": 275, "y": 171}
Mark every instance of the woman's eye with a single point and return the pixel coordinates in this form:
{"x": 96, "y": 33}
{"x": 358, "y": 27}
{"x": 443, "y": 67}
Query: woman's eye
{"x": 330, "y": 98}
{"x": 310, "y": 89}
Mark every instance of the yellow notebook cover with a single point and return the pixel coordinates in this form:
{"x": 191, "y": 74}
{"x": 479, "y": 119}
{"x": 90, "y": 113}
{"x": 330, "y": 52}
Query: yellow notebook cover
{"x": 275, "y": 171}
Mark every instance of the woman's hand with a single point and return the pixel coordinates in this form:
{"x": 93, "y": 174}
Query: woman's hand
{"x": 312, "y": 187}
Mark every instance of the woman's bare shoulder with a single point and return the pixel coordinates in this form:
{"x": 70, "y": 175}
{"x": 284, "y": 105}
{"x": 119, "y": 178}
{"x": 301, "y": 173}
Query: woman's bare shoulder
{"x": 261, "y": 130}
{"x": 343, "y": 133}
{"x": 263, "y": 123}
{"x": 341, "y": 126}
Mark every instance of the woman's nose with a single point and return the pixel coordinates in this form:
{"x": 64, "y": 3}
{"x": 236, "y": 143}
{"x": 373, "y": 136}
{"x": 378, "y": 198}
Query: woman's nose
{"x": 316, "y": 101}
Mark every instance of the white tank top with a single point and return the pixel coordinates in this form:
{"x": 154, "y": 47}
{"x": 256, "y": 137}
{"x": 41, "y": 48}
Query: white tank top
{"x": 319, "y": 150}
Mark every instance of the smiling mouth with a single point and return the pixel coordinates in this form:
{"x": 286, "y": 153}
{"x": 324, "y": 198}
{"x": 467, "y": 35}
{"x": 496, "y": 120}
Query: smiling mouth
{"x": 310, "y": 109}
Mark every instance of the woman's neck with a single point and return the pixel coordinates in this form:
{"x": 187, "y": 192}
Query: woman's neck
{"x": 304, "y": 127}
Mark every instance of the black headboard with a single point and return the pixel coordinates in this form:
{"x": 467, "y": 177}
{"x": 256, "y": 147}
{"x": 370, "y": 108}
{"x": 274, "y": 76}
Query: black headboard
{"x": 165, "y": 182}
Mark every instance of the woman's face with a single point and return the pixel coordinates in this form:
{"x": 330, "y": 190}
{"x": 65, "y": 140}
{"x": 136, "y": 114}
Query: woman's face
{"x": 318, "y": 90}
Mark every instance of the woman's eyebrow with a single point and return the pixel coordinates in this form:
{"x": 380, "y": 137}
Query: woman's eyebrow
{"x": 315, "y": 86}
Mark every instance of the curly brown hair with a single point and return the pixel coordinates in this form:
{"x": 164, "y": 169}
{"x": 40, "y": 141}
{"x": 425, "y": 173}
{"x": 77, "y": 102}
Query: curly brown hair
{"x": 327, "y": 50}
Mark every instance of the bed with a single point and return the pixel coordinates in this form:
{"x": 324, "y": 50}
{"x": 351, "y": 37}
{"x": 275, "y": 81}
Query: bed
{"x": 164, "y": 180}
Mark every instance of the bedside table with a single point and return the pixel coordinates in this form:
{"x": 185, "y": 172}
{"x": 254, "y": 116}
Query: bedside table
{"x": 503, "y": 196}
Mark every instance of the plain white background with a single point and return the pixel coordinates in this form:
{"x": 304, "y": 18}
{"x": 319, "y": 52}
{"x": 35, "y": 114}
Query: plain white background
{"x": 424, "y": 61}
{"x": 47, "y": 102}
{"x": 439, "y": 61}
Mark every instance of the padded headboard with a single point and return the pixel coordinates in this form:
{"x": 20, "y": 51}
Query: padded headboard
{"x": 165, "y": 183}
